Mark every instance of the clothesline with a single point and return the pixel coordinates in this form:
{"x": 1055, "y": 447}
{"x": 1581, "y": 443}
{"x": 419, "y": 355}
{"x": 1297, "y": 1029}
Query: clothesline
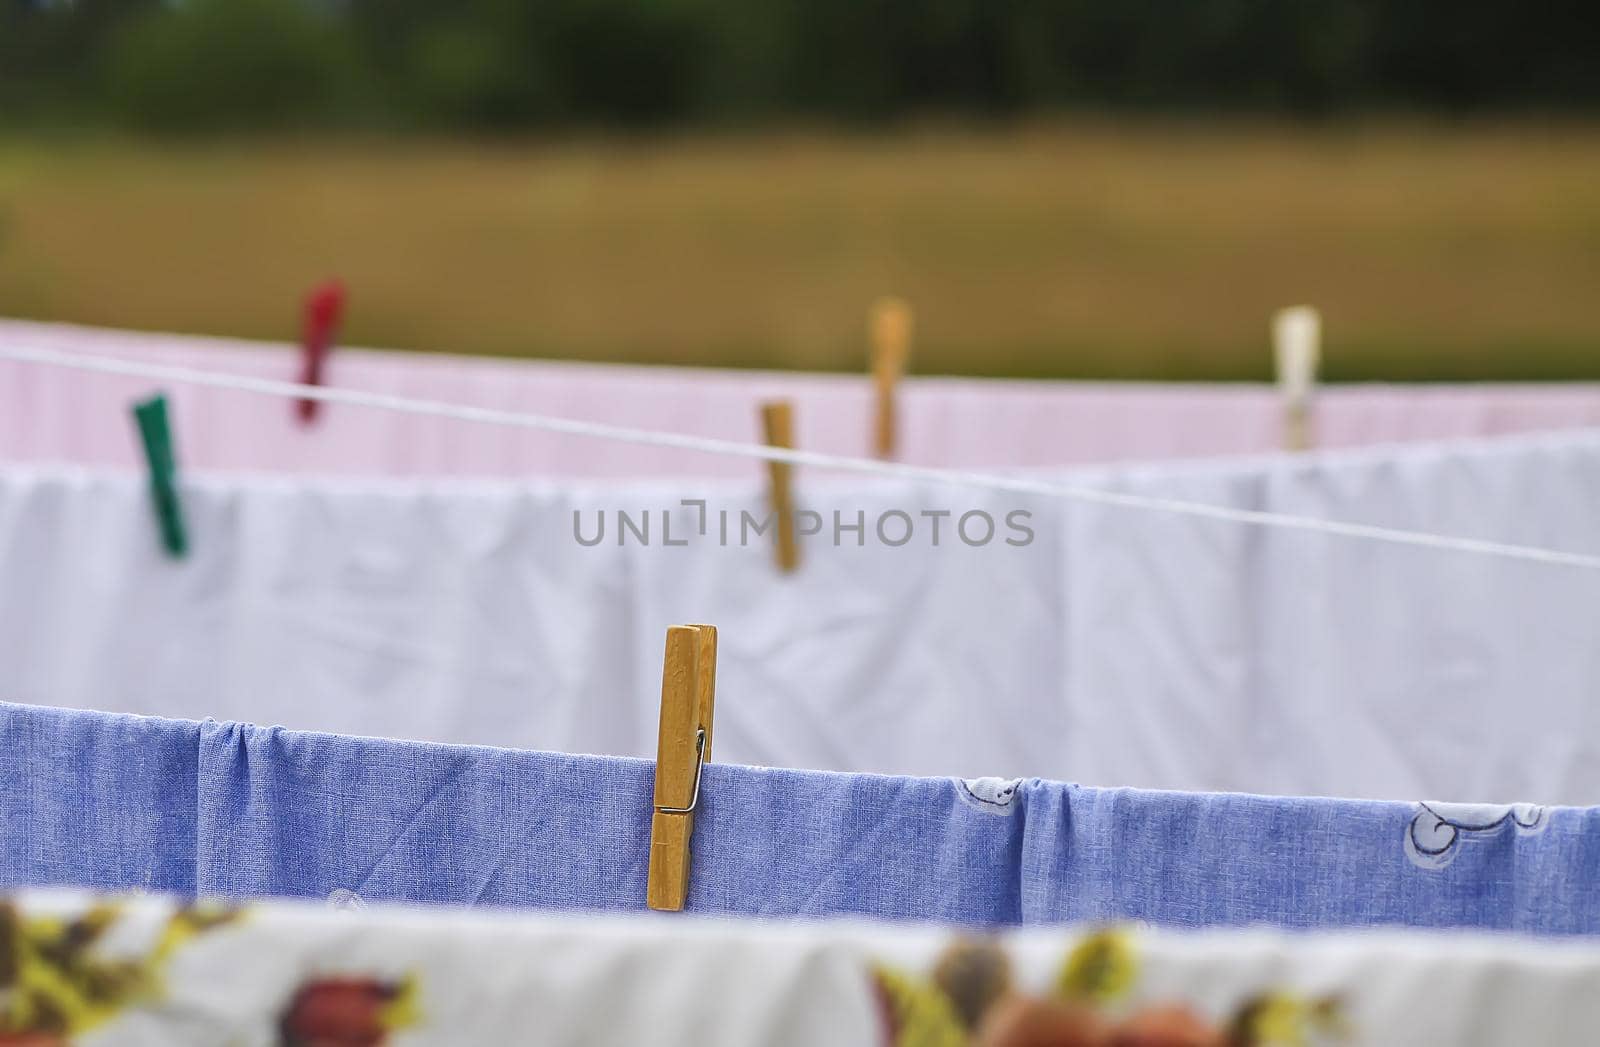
{"x": 812, "y": 459}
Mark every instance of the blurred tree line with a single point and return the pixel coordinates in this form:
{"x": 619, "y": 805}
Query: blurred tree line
{"x": 198, "y": 65}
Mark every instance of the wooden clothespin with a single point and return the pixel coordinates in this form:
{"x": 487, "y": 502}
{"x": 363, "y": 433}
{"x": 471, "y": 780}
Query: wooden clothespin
{"x": 889, "y": 332}
{"x": 324, "y": 307}
{"x": 688, "y": 706}
{"x": 155, "y": 432}
{"x": 777, "y": 423}
{"x": 1296, "y": 344}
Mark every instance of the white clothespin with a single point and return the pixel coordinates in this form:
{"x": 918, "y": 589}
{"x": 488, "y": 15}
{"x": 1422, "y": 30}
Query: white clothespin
{"x": 1297, "y": 346}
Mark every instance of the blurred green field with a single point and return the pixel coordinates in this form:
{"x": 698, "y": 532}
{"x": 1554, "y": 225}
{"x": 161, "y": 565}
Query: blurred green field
{"x": 1080, "y": 249}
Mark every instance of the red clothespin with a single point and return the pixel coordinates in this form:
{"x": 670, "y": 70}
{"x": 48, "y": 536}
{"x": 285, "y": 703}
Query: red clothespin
{"x": 324, "y": 307}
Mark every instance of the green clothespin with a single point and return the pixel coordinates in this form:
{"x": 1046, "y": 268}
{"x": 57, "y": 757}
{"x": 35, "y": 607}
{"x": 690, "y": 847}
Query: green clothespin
{"x": 156, "y": 433}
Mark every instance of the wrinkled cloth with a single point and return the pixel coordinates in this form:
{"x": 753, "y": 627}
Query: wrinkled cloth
{"x": 274, "y": 972}
{"x": 1117, "y": 647}
{"x": 111, "y": 802}
{"x": 53, "y": 414}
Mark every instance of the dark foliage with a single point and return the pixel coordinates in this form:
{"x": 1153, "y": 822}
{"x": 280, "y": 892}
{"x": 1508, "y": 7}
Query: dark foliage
{"x": 508, "y": 64}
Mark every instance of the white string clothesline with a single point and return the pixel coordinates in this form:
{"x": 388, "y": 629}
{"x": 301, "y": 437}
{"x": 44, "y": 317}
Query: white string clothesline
{"x": 814, "y": 459}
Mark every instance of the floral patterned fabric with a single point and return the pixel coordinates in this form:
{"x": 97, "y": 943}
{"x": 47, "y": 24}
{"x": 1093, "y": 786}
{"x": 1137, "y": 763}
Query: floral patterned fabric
{"x": 970, "y": 998}
{"x": 90, "y": 971}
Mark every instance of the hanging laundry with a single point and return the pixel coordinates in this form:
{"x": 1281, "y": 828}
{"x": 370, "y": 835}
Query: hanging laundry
{"x": 949, "y": 422}
{"x": 198, "y": 974}
{"x": 1117, "y": 647}
{"x": 114, "y": 802}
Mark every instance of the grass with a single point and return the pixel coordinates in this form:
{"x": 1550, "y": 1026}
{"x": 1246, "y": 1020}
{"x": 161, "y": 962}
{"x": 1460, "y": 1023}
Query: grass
{"x": 1081, "y": 249}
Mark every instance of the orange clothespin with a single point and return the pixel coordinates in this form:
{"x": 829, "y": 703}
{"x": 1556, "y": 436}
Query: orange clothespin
{"x": 688, "y": 706}
{"x": 777, "y": 423}
{"x": 323, "y": 309}
{"x": 889, "y": 331}
{"x": 1296, "y": 344}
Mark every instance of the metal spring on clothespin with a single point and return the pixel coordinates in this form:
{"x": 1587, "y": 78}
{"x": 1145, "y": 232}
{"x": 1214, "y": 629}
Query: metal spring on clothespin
{"x": 1296, "y": 345}
{"x": 683, "y": 748}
